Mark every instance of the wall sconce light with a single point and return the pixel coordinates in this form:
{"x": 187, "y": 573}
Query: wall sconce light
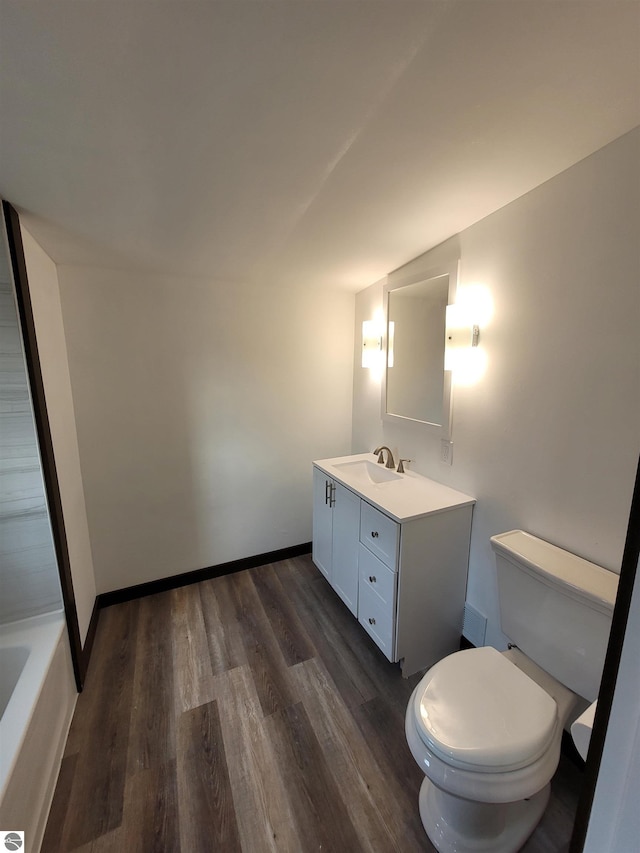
{"x": 462, "y": 354}
{"x": 461, "y": 336}
{"x": 371, "y": 344}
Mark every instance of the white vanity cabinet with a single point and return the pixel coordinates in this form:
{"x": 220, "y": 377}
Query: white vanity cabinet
{"x": 397, "y": 554}
{"x": 336, "y": 521}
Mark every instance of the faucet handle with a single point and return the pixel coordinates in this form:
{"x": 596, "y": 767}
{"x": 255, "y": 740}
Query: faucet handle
{"x": 400, "y": 467}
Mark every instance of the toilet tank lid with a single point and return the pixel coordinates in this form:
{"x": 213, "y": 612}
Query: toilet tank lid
{"x": 590, "y": 583}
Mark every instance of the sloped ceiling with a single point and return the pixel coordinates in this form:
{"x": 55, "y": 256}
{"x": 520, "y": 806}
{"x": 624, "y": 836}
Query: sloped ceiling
{"x": 315, "y": 144}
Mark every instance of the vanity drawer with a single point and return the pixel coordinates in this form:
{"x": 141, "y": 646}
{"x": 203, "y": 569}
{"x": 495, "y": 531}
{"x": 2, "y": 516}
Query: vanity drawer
{"x": 377, "y": 618}
{"x": 379, "y": 533}
{"x": 375, "y": 575}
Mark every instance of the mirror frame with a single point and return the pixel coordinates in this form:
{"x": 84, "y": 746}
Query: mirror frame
{"x": 396, "y": 282}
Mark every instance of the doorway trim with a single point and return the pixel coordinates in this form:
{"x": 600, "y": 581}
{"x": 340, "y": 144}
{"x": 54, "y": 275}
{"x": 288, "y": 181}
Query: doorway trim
{"x": 45, "y": 442}
{"x": 628, "y": 571}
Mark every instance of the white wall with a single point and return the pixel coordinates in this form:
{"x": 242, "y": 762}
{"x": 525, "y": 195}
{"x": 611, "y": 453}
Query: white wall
{"x": 45, "y": 298}
{"x": 199, "y": 409}
{"x": 548, "y": 440}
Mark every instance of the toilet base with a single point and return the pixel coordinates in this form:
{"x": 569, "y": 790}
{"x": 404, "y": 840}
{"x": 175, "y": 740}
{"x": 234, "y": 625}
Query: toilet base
{"x": 455, "y": 825}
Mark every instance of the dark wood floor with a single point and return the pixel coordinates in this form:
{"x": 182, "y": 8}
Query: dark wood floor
{"x": 247, "y": 713}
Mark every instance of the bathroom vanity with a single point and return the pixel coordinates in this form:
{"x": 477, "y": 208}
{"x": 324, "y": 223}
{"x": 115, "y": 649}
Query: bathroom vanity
{"x": 395, "y": 548}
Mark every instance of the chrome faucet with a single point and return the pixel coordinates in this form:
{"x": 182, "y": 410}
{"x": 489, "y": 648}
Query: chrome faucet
{"x": 379, "y": 450}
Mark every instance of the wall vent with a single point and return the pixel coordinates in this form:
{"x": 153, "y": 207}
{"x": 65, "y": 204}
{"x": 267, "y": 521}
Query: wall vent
{"x": 474, "y": 626}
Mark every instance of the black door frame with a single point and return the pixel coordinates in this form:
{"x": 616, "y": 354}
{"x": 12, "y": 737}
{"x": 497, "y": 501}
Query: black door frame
{"x": 619, "y": 621}
{"x": 43, "y": 430}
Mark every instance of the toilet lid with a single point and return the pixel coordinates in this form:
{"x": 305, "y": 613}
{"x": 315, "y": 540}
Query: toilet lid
{"x": 477, "y": 709}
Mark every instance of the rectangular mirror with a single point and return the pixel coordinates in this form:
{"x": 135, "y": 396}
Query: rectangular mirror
{"x": 415, "y": 385}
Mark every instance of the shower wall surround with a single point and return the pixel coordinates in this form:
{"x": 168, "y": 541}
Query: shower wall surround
{"x": 28, "y": 569}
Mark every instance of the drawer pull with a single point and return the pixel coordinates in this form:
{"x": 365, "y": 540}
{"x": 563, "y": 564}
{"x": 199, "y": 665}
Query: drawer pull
{"x": 374, "y": 534}
{"x": 372, "y": 578}
{"x": 372, "y": 621}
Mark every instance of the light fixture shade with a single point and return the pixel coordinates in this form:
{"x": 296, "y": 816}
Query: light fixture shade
{"x": 371, "y": 344}
{"x": 461, "y": 354}
{"x": 458, "y": 337}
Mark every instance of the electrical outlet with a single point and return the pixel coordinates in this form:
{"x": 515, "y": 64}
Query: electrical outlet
{"x": 446, "y": 451}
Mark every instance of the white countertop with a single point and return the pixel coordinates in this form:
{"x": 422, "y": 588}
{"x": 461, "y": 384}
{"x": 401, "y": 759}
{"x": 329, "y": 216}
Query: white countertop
{"x": 407, "y": 496}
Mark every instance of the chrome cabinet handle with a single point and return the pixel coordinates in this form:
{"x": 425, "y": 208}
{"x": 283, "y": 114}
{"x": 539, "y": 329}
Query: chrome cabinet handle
{"x": 372, "y": 578}
{"x": 329, "y": 493}
{"x": 374, "y": 534}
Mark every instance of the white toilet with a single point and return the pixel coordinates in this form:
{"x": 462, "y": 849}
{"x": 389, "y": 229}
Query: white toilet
{"x": 485, "y": 726}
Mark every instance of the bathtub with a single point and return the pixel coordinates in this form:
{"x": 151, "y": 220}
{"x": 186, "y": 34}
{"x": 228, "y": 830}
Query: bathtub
{"x": 37, "y": 698}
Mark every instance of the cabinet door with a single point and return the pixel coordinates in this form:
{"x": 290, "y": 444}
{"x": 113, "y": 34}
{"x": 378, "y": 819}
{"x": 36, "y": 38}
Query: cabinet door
{"x": 322, "y": 523}
{"x": 346, "y": 543}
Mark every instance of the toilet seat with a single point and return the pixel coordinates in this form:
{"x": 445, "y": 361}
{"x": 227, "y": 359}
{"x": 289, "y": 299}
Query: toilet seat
{"x": 476, "y": 710}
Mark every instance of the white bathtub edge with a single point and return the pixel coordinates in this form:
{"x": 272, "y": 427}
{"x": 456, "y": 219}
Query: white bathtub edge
{"x": 33, "y": 772}
{"x": 50, "y": 789}
{"x": 41, "y": 635}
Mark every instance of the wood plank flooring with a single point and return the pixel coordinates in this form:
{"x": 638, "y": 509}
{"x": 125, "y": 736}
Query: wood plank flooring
{"x": 247, "y": 713}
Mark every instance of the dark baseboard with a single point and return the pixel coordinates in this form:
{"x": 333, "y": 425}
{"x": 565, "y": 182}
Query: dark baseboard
{"x": 118, "y": 596}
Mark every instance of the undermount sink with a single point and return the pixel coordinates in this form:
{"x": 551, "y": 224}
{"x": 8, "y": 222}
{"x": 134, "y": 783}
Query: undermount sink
{"x": 368, "y": 472}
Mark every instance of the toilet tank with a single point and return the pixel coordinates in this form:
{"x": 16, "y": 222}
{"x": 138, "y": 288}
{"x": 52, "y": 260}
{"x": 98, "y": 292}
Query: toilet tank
{"x": 555, "y": 607}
